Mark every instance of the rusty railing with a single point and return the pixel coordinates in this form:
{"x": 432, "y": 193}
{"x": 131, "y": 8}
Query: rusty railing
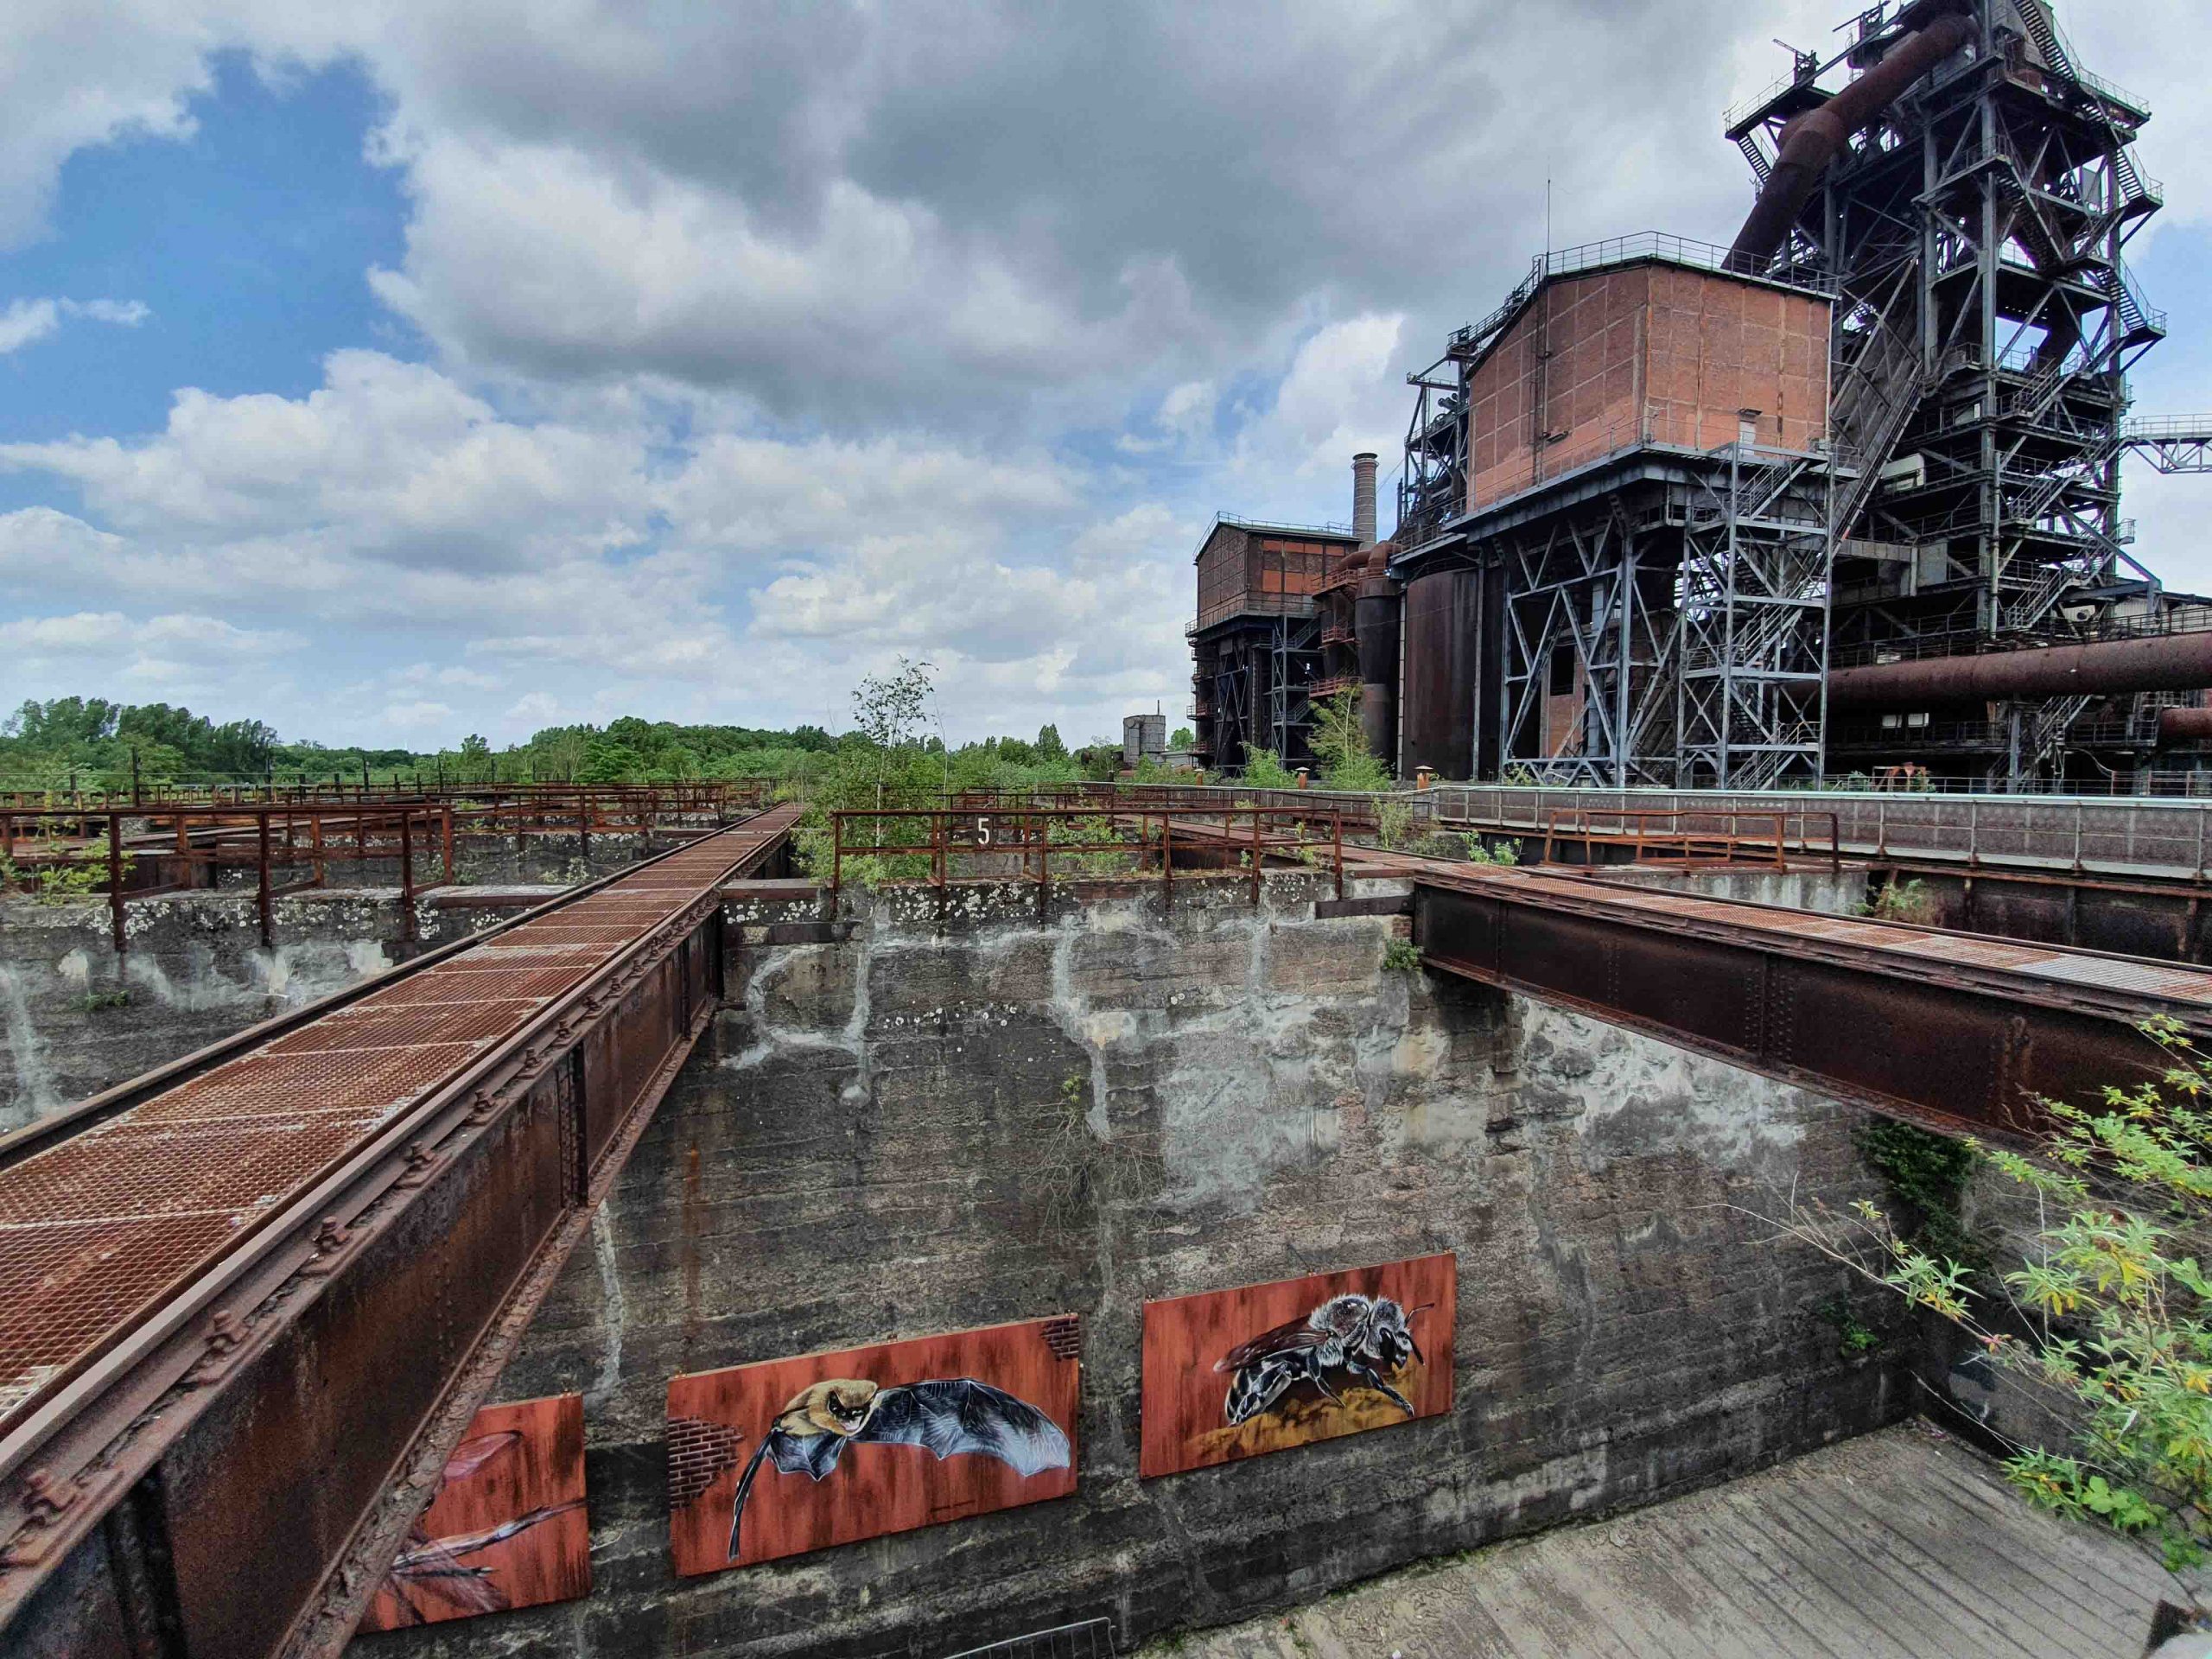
{"x": 988, "y": 834}
{"x": 1695, "y": 834}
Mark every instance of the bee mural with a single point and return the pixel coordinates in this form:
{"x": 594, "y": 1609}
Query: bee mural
{"x": 1363, "y": 1339}
{"x": 1259, "y": 1369}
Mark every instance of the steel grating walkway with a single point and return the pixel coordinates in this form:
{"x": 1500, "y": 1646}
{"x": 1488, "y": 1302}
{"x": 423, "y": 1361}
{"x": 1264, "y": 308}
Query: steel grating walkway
{"x": 99, "y": 1230}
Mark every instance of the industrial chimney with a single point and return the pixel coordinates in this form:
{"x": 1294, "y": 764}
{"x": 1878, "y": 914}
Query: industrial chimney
{"x": 1362, "y": 497}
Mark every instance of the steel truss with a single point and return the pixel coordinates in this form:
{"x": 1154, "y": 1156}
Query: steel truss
{"x": 1978, "y": 231}
{"x": 1601, "y": 587}
{"x": 1754, "y": 615}
{"x": 1259, "y": 674}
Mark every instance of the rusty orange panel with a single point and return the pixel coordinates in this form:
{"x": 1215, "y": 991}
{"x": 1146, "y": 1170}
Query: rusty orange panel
{"x": 794, "y": 1455}
{"x": 1239, "y": 1373}
{"x": 507, "y": 1528}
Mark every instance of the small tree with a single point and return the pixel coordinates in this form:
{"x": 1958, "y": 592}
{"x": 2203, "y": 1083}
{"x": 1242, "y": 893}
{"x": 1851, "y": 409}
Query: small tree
{"x": 2106, "y": 1324}
{"x": 1340, "y": 744}
{"x": 888, "y": 711}
{"x": 1264, "y": 769}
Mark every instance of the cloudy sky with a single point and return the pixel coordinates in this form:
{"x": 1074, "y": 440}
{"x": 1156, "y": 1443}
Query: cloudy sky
{"x": 392, "y": 370}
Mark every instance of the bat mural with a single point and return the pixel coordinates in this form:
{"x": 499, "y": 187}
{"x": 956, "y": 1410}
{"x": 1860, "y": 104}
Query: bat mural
{"x": 1236, "y": 1373}
{"x": 885, "y": 1439}
{"x": 507, "y": 1528}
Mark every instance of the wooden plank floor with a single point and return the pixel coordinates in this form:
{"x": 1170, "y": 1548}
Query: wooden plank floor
{"x": 1902, "y": 1545}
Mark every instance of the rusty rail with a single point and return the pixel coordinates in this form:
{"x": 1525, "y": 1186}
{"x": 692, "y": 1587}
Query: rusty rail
{"x": 178, "y": 845}
{"x": 245, "y": 1317}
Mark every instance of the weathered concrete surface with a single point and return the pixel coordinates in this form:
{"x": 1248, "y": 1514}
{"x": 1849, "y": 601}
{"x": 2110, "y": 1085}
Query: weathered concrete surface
{"x": 1813, "y": 886}
{"x": 927, "y": 1127}
{"x": 1899, "y": 1544}
{"x": 75, "y": 1020}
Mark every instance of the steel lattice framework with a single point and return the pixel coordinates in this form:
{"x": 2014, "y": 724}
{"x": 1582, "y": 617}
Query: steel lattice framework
{"x": 1977, "y": 232}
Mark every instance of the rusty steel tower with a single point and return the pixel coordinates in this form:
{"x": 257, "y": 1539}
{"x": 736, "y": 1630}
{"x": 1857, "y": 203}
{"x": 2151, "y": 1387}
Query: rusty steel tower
{"x": 1970, "y": 188}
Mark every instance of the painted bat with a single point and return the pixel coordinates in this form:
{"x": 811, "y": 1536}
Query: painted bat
{"x": 949, "y": 1416}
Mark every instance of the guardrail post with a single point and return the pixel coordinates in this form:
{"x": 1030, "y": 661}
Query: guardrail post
{"x": 445, "y": 844}
{"x": 1167, "y": 859}
{"x": 1337, "y": 848}
{"x": 261, "y": 876}
{"x": 407, "y": 874}
{"x": 115, "y": 876}
{"x": 2081, "y": 809}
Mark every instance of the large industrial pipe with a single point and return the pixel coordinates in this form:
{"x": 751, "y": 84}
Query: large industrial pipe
{"x": 1375, "y": 625}
{"x": 2184, "y": 725}
{"x": 1362, "y": 497}
{"x": 1815, "y": 138}
{"x": 2179, "y": 662}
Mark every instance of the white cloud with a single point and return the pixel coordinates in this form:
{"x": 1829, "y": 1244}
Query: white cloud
{"x": 25, "y": 321}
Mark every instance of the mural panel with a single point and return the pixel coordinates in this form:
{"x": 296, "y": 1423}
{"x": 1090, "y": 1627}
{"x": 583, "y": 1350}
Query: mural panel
{"x": 507, "y": 1528}
{"x": 1236, "y": 1373}
{"x": 794, "y": 1455}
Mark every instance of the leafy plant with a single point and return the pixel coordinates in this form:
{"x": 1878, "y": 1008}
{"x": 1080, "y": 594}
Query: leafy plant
{"x": 1264, "y": 769}
{"x": 1393, "y": 823}
{"x": 2106, "y": 1325}
{"x": 1902, "y": 902}
{"x": 1853, "y": 1338}
{"x": 1340, "y": 744}
{"x": 1481, "y": 852}
{"x": 1401, "y": 957}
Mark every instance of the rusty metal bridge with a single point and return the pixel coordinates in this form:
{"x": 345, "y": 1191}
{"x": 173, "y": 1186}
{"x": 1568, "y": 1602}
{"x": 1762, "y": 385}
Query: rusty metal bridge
{"x": 255, "y": 1296}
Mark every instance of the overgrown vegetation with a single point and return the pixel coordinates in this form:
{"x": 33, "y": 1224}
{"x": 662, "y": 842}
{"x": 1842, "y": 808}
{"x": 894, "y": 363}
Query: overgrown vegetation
{"x": 91, "y": 743}
{"x": 2104, "y": 1324}
{"x": 1902, "y": 902}
{"x": 1340, "y": 744}
{"x": 1928, "y": 1175}
{"x": 1401, "y": 957}
{"x": 1503, "y": 854}
{"x": 1264, "y": 769}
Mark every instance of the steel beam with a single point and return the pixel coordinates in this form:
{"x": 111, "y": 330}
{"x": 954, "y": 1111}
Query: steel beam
{"x": 1961, "y": 1032}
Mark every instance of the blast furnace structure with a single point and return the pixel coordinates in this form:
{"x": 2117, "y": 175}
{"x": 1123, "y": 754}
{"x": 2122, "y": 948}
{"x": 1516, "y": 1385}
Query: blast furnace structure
{"x": 1683, "y": 515}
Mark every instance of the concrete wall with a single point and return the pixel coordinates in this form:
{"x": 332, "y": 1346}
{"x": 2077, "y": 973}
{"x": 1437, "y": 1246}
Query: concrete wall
{"x": 74, "y": 1019}
{"x": 928, "y": 1128}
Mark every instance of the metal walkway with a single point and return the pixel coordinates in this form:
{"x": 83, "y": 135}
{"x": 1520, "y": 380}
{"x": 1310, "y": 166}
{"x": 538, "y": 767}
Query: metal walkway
{"x": 395, "y": 1174}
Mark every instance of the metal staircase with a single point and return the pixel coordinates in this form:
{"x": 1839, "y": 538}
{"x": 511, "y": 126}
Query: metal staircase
{"x": 2047, "y": 737}
{"x": 1881, "y": 389}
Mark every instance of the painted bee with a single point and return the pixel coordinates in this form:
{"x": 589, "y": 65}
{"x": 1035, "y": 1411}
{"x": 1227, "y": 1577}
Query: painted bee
{"x": 1367, "y": 1339}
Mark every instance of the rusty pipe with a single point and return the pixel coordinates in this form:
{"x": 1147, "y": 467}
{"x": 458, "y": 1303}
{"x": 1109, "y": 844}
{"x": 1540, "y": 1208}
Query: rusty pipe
{"x": 2185, "y": 726}
{"x": 2179, "y": 662}
{"x": 1815, "y": 138}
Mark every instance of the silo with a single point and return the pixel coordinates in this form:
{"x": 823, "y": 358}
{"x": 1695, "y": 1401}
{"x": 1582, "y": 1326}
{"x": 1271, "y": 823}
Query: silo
{"x": 1143, "y": 737}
